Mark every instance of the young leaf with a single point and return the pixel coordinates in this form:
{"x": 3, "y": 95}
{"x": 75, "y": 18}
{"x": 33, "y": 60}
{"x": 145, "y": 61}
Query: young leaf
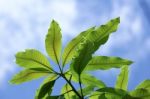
{"x": 68, "y": 91}
{"x": 53, "y": 42}
{"x": 122, "y": 80}
{"x": 46, "y": 87}
{"x": 82, "y": 57}
{"x": 27, "y": 75}
{"x": 71, "y": 47}
{"x": 100, "y": 35}
{"x": 32, "y": 58}
{"x": 140, "y": 94}
{"x": 145, "y": 84}
{"x": 105, "y": 63}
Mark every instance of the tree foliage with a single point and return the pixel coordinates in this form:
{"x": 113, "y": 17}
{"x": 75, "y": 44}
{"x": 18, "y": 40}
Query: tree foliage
{"x": 78, "y": 53}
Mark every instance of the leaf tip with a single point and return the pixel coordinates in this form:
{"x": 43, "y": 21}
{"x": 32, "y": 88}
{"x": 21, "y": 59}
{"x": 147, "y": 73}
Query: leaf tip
{"x": 118, "y": 19}
{"x": 53, "y": 21}
{"x": 131, "y": 62}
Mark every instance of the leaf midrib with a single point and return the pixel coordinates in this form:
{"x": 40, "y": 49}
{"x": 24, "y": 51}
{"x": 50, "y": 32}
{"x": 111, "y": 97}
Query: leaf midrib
{"x": 30, "y": 59}
{"x": 122, "y": 79}
{"x": 31, "y": 73}
{"x": 54, "y": 45}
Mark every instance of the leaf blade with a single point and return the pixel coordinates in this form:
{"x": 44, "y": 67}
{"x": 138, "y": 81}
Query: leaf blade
{"x": 145, "y": 84}
{"x": 72, "y": 45}
{"x": 67, "y": 90}
{"x": 115, "y": 91}
{"x": 101, "y": 34}
{"x": 32, "y": 58}
{"x": 81, "y": 57}
{"x": 140, "y": 93}
{"x": 91, "y": 43}
{"x": 122, "y": 80}
{"x": 27, "y": 75}
{"x": 105, "y": 63}
{"x": 91, "y": 80}
{"x": 46, "y": 87}
{"x": 86, "y": 79}
{"x": 53, "y": 42}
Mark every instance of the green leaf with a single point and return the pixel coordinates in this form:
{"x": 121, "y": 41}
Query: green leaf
{"x": 122, "y": 80}
{"x": 71, "y": 47}
{"x": 91, "y": 80}
{"x": 105, "y": 63}
{"x": 68, "y": 91}
{"x": 102, "y": 96}
{"x": 114, "y": 91}
{"x": 100, "y": 36}
{"x": 32, "y": 58}
{"x": 86, "y": 79}
{"x": 46, "y": 87}
{"x": 81, "y": 57}
{"x": 95, "y": 95}
{"x": 140, "y": 93}
{"x": 27, "y": 75}
{"x": 145, "y": 84}
{"x": 87, "y": 90}
{"x": 53, "y": 42}
{"x": 90, "y": 44}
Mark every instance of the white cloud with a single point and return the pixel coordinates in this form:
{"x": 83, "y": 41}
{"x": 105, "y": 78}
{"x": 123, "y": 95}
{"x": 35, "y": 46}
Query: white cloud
{"x": 130, "y": 28}
{"x": 23, "y": 24}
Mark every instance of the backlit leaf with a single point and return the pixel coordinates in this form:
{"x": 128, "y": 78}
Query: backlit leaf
{"x": 91, "y": 43}
{"x": 53, "y": 42}
{"x": 140, "y": 93}
{"x": 82, "y": 57}
{"x": 46, "y": 87}
{"x": 145, "y": 84}
{"x": 32, "y": 58}
{"x": 68, "y": 91}
{"x": 27, "y": 75}
{"x": 71, "y": 47}
{"x": 101, "y": 34}
{"x": 115, "y": 91}
{"x": 87, "y": 79}
{"x": 105, "y": 63}
{"x": 122, "y": 80}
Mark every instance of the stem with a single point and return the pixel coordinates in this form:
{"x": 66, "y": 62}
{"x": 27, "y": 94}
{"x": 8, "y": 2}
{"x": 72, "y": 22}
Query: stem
{"x": 72, "y": 87}
{"x": 68, "y": 81}
{"x": 81, "y": 87}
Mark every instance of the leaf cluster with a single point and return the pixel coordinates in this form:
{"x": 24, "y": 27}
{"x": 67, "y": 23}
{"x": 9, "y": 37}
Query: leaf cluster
{"x": 78, "y": 54}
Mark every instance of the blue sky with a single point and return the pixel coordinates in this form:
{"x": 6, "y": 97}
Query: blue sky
{"x": 24, "y": 24}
